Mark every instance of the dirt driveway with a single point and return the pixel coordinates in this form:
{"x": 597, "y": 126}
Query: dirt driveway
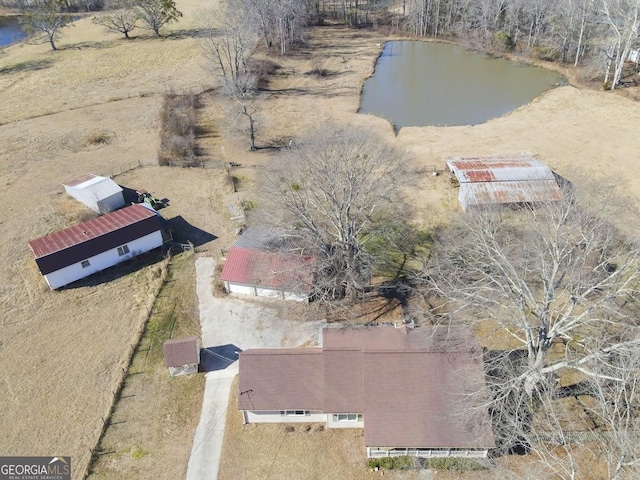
{"x": 245, "y": 323}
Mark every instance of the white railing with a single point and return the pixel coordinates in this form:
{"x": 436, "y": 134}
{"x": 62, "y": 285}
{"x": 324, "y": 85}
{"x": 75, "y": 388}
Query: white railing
{"x": 373, "y": 452}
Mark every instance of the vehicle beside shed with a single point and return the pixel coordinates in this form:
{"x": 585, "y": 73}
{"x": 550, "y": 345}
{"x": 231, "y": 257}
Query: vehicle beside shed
{"x": 100, "y": 194}
{"x": 503, "y": 179}
{"x": 76, "y": 252}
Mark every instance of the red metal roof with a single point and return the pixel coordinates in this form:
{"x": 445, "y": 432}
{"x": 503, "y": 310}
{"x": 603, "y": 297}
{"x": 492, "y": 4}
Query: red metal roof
{"x": 284, "y": 271}
{"x": 85, "y": 231}
{"x": 78, "y": 181}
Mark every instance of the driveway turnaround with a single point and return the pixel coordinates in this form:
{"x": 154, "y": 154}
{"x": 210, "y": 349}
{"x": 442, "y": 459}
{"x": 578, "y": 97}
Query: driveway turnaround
{"x": 247, "y": 324}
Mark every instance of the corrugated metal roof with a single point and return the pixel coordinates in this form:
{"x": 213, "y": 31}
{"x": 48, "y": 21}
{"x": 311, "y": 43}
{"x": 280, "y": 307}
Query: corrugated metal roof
{"x": 89, "y": 230}
{"x": 269, "y": 239}
{"x": 181, "y": 351}
{"x": 101, "y": 187}
{"x": 509, "y": 178}
{"x": 283, "y": 271}
{"x": 532, "y": 191}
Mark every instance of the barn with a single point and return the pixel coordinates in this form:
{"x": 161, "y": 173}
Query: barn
{"x": 100, "y": 194}
{"x": 268, "y": 263}
{"x": 89, "y": 247}
{"x": 503, "y": 179}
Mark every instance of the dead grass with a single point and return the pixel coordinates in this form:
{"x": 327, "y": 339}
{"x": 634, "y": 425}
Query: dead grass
{"x": 310, "y": 451}
{"x": 154, "y": 412}
{"x": 65, "y": 350}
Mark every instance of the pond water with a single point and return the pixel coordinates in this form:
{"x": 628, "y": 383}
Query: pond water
{"x": 10, "y": 31}
{"x": 437, "y": 84}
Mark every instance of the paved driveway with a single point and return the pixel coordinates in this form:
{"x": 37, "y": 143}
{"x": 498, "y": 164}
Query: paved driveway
{"x": 246, "y": 324}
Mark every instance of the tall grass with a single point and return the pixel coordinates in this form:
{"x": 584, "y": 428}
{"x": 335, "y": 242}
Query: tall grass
{"x": 178, "y": 130}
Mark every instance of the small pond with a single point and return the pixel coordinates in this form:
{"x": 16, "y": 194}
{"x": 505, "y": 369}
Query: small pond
{"x": 438, "y": 84}
{"x": 10, "y": 31}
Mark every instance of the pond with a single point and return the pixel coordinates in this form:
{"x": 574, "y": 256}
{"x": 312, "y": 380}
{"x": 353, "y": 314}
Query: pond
{"x": 438, "y": 84}
{"x": 10, "y": 31}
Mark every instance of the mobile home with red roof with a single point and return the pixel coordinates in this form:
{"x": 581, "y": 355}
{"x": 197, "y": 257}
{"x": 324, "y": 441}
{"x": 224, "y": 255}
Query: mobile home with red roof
{"x": 74, "y": 253}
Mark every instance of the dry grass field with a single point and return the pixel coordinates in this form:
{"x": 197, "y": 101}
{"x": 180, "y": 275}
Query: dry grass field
{"x": 63, "y": 353}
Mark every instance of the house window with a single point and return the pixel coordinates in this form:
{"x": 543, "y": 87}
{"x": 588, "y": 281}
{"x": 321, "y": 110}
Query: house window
{"x": 345, "y": 417}
{"x": 294, "y": 413}
{"x": 85, "y": 263}
{"x": 123, "y": 250}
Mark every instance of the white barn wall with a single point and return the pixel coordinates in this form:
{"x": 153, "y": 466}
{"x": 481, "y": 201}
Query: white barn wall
{"x": 104, "y": 260}
{"x": 277, "y": 417}
{"x": 236, "y": 288}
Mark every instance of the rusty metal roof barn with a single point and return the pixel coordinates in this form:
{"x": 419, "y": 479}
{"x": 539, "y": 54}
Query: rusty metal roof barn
{"x": 503, "y": 179}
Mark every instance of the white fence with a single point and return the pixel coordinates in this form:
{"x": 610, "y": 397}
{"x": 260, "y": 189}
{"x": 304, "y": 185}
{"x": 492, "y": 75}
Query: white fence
{"x": 373, "y": 452}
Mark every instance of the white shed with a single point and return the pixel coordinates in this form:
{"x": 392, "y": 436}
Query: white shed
{"x": 100, "y": 194}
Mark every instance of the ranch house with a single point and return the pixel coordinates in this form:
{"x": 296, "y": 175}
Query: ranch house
{"x": 409, "y": 389}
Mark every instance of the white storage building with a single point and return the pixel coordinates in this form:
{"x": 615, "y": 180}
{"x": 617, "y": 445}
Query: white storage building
{"x": 100, "y": 194}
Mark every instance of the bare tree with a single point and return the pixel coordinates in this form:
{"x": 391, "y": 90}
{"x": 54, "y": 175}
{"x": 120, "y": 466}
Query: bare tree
{"x": 558, "y": 280}
{"x": 43, "y": 21}
{"x": 122, "y": 17}
{"x": 229, "y": 43}
{"x": 155, "y": 14}
{"x": 334, "y": 188}
{"x": 243, "y": 92}
{"x": 622, "y": 18}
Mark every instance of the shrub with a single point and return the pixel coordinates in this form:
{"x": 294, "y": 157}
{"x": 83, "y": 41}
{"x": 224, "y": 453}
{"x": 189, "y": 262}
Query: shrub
{"x": 262, "y": 68}
{"x": 391, "y": 463}
{"x": 460, "y": 464}
{"x": 178, "y": 125}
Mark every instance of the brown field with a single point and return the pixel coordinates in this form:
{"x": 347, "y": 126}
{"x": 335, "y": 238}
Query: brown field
{"x": 63, "y": 353}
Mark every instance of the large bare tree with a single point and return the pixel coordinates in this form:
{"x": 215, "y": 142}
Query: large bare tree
{"x": 336, "y": 188}
{"x": 558, "y": 280}
{"x": 43, "y": 21}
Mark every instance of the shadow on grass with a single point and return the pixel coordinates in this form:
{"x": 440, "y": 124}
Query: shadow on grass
{"x": 184, "y": 232}
{"x": 28, "y": 66}
{"x": 120, "y": 270}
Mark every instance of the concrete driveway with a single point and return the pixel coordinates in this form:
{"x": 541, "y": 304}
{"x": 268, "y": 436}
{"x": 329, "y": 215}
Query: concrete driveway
{"x": 247, "y": 324}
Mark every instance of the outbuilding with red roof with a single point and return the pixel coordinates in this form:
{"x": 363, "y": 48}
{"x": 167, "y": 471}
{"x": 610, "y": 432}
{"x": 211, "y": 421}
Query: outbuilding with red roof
{"x": 68, "y": 255}
{"x": 269, "y": 263}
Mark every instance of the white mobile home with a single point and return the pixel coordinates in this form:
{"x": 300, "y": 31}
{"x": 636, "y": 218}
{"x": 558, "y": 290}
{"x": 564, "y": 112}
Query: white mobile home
{"x": 100, "y": 194}
{"x": 79, "y": 251}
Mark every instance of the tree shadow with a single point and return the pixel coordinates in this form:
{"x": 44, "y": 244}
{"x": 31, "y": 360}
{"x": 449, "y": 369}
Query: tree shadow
{"x": 184, "y": 232}
{"x": 28, "y": 66}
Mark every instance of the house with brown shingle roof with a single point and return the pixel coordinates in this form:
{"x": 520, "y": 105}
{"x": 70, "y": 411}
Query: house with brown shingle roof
{"x": 503, "y": 179}
{"x": 414, "y": 391}
{"x": 268, "y": 263}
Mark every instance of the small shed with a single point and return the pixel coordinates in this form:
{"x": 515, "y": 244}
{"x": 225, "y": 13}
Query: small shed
{"x": 503, "y": 179}
{"x": 182, "y": 355}
{"x": 100, "y": 194}
{"x": 269, "y": 263}
{"x": 89, "y": 247}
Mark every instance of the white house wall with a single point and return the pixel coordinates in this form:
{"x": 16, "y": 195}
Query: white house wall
{"x": 111, "y": 203}
{"x": 277, "y": 417}
{"x": 103, "y": 260}
{"x": 331, "y": 423}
